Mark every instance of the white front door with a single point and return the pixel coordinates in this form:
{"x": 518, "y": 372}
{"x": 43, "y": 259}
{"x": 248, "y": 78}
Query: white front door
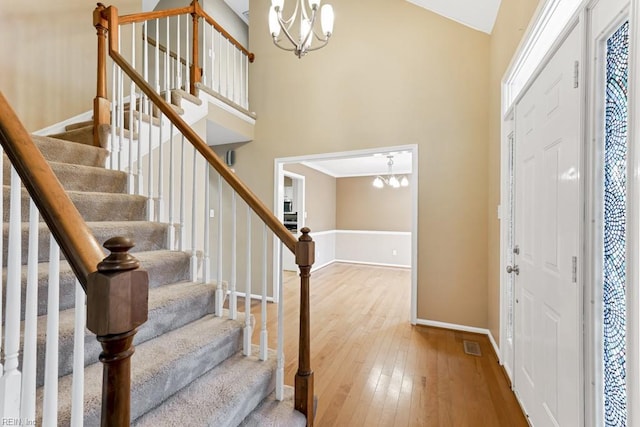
{"x": 547, "y": 373}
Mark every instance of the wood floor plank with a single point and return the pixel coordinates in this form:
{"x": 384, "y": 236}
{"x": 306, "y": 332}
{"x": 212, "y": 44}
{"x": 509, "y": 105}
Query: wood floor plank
{"x": 373, "y": 368}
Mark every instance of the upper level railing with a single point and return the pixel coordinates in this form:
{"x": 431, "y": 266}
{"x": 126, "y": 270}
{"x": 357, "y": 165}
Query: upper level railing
{"x": 176, "y": 49}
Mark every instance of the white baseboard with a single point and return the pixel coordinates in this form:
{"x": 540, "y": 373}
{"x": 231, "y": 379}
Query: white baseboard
{"x": 61, "y": 126}
{"x": 463, "y": 328}
{"x": 377, "y": 264}
{"x": 319, "y": 266}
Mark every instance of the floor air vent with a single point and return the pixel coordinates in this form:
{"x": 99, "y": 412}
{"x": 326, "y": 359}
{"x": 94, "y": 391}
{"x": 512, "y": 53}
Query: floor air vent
{"x": 472, "y": 348}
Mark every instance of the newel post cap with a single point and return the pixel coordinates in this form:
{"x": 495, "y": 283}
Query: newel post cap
{"x": 118, "y": 293}
{"x": 305, "y": 249}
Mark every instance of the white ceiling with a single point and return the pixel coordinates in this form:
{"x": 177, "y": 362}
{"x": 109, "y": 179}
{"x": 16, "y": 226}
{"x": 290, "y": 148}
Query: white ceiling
{"x": 370, "y": 165}
{"x": 477, "y": 14}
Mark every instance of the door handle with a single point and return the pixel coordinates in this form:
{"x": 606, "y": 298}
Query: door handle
{"x": 514, "y": 269}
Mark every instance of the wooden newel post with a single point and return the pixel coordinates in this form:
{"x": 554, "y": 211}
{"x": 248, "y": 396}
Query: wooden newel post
{"x": 117, "y": 303}
{"x": 305, "y": 257}
{"x": 101, "y": 103}
{"x": 196, "y": 71}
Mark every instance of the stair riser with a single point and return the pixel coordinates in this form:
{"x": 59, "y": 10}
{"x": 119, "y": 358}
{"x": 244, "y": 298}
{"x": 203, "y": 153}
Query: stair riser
{"x": 161, "y": 320}
{"x": 81, "y": 178}
{"x": 92, "y": 207}
{"x": 173, "y": 269}
{"x": 146, "y": 238}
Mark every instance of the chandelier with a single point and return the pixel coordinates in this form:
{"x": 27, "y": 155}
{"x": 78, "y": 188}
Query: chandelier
{"x": 298, "y": 28}
{"x": 391, "y": 180}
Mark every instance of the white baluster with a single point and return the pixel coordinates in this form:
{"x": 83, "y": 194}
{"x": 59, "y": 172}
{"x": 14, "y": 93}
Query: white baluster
{"x": 233, "y": 83}
{"x": 248, "y": 330}
{"x": 171, "y": 244}
{"x": 206, "y": 262}
{"x": 183, "y": 190}
{"x": 204, "y": 54}
{"x": 178, "y": 61}
{"x": 28, "y": 406}
{"x": 233, "y": 296}
{"x": 114, "y": 118}
{"x": 187, "y": 56}
{"x": 263, "y": 302}
{"x": 246, "y": 83}
{"x": 213, "y": 57}
{"x": 167, "y": 59}
{"x": 228, "y": 72}
{"x": 145, "y": 62}
{"x": 150, "y": 198}
{"x": 156, "y": 71}
{"x": 10, "y": 382}
{"x": 280, "y": 361}
{"x": 139, "y": 178}
{"x": 219, "y": 52}
{"x": 194, "y": 254}
{"x": 219, "y": 293}
{"x": 50, "y": 403}
{"x": 120, "y": 108}
{"x": 77, "y": 390}
{"x": 132, "y": 108}
{"x": 159, "y": 202}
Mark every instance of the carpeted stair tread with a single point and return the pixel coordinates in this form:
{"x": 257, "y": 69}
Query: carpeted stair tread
{"x": 81, "y": 178}
{"x": 147, "y": 236}
{"x": 164, "y": 267}
{"x": 272, "y": 413}
{"x": 160, "y": 367}
{"x": 93, "y": 206}
{"x": 170, "y": 307}
{"x": 177, "y": 95}
{"x": 58, "y": 150}
{"x": 222, "y": 397}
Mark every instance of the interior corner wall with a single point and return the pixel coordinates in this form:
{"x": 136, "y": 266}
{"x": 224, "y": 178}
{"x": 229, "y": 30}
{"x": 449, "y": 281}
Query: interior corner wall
{"x": 393, "y": 73}
{"x": 361, "y": 206}
{"x": 512, "y": 21}
{"x": 320, "y": 197}
{"x": 48, "y": 55}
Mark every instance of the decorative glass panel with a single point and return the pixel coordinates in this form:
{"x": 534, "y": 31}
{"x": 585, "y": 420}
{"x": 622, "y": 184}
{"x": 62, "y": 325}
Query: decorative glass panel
{"x": 615, "y": 187}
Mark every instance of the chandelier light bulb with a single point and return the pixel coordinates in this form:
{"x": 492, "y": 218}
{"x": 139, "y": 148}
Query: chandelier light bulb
{"x": 378, "y": 182}
{"x": 393, "y": 181}
{"x": 306, "y": 35}
{"x": 274, "y": 25}
{"x": 404, "y": 182}
{"x": 326, "y": 19}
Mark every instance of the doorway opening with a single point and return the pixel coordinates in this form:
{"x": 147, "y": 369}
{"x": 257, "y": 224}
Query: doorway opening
{"x": 348, "y": 165}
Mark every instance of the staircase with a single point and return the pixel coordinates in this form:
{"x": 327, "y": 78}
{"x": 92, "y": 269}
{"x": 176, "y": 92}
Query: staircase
{"x": 188, "y": 367}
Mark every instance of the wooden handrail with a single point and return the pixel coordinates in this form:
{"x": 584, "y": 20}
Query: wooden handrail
{"x": 111, "y": 14}
{"x": 76, "y": 241}
{"x": 193, "y": 8}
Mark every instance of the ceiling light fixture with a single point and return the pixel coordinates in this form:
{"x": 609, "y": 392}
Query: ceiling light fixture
{"x": 391, "y": 180}
{"x": 305, "y": 15}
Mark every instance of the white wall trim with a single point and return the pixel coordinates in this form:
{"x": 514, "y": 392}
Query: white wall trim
{"x": 375, "y": 264}
{"x": 381, "y": 232}
{"x": 496, "y": 349}
{"x": 319, "y": 266}
{"x": 61, "y": 126}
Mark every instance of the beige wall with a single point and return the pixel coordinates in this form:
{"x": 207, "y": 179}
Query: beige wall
{"x": 48, "y": 58}
{"x": 392, "y": 72}
{"x": 361, "y": 206}
{"x": 512, "y": 21}
{"x": 320, "y": 197}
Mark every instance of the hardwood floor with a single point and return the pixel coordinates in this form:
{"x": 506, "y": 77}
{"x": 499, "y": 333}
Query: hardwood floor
{"x": 373, "y": 368}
